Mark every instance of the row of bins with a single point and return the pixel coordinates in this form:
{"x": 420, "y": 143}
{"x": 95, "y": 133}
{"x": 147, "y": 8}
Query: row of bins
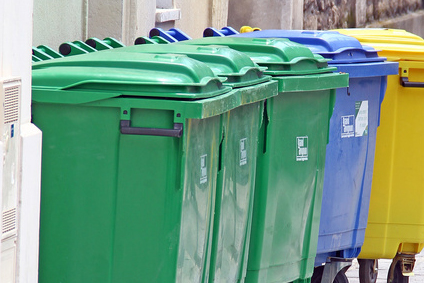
{"x": 395, "y": 226}
{"x": 208, "y": 164}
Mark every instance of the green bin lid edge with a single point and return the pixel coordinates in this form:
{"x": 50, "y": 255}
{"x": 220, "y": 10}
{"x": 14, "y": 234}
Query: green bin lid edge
{"x": 280, "y": 55}
{"x": 153, "y": 75}
{"x": 236, "y": 66}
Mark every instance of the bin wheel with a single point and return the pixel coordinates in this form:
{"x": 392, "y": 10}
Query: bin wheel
{"x": 317, "y": 276}
{"x": 398, "y": 277}
{"x": 341, "y": 278}
{"x": 368, "y": 270}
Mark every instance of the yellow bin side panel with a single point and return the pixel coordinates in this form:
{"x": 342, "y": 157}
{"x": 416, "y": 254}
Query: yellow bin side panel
{"x": 396, "y": 213}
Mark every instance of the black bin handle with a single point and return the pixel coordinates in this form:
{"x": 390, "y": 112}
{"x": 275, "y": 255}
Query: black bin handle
{"x": 126, "y": 129}
{"x": 406, "y": 83}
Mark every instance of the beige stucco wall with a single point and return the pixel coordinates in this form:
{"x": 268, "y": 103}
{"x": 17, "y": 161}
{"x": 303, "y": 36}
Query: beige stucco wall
{"x": 56, "y": 21}
{"x": 266, "y": 14}
{"x": 124, "y": 20}
{"x": 104, "y": 19}
{"x": 198, "y": 15}
{"x": 194, "y": 16}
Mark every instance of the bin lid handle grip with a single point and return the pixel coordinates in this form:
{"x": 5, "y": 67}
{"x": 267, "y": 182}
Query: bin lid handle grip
{"x": 126, "y": 129}
{"x": 406, "y": 83}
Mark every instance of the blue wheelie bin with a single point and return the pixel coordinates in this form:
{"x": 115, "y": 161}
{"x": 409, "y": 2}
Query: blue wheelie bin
{"x": 351, "y": 148}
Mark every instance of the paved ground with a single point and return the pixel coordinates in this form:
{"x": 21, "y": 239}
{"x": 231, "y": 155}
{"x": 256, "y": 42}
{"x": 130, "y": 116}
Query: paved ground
{"x": 383, "y": 267}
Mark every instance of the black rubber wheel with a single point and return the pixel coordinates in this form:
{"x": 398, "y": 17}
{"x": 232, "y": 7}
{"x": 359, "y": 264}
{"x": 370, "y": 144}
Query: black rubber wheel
{"x": 367, "y": 273}
{"x": 397, "y": 275}
{"x": 341, "y": 278}
{"x": 317, "y": 276}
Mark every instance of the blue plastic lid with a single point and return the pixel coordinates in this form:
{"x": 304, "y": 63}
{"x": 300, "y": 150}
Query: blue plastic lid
{"x": 340, "y": 48}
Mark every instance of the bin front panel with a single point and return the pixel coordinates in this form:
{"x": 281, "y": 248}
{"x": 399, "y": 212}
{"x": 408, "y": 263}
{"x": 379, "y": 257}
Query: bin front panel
{"x": 128, "y": 207}
{"x": 164, "y": 210}
{"x": 289, "y": 187}
{"x": 78, "y": 191}
{"x": 396, "y": 216}
{"x": 349, "y": 168}
{"x": 235, "y": 193}
{"x": 199, "y": 193}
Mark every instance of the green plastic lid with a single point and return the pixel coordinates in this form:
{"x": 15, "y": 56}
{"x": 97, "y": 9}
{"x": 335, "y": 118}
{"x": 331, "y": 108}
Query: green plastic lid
{"x": 109, "y": 74}
{"x": 281, "y": 56}
{"x": 237, "y": 67}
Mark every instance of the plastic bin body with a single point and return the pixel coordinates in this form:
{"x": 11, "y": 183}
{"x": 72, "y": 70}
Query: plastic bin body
{"x": 291, "y": 157}
{"x": 235, "y": 192}
{"x": 396, "y": 215}
{"x": 125, "y": 207}
{"x": 238, "y": 150}
{"x": 289, "y": 190}
{"x": 353, "y": 129}
{"x": 88, "y": 228}
{"x": 349, "y": 168}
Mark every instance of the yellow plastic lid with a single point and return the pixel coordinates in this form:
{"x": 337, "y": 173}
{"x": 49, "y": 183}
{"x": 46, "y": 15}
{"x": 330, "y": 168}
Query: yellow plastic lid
{"x": 395, "y": 44}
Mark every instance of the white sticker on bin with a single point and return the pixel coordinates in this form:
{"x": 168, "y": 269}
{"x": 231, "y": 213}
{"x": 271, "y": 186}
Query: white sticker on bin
{"x": 243, "y": 152}
{"x": 302, "y": 148}
{"x": 347, "y": 129}
{"x": 361, "y": 118}
{"x": 203, "y": 169}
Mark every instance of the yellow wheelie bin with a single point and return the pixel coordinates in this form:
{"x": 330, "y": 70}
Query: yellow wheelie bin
{"x": 395, "y": 228}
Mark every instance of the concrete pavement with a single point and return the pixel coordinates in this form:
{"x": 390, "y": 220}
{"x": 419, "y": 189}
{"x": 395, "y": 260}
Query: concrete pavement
{"x": 383, "y": 268}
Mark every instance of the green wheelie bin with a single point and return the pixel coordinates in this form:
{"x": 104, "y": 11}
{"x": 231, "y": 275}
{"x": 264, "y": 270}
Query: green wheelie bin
{"x": 236, "y": 175}
{"x": 132, "y": 147}
{"x": 291, "y": 157}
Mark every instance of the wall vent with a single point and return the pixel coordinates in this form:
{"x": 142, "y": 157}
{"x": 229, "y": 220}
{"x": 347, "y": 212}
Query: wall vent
{"x": 9, "y": 221}
{"x": 11, "y": 104}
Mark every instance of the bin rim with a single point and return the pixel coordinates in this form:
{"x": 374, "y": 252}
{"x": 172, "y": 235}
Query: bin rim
{"x": 312, "y": 82}
{"x": 340, "y": 48}
{"x": 187, "y": 109}
{"x": 395, "y": 44}
{"x": 237, "y": 67}
{"x": 277, "y": 54}
{"x": 369, "y": 69}
{"x": 168, "y": 76}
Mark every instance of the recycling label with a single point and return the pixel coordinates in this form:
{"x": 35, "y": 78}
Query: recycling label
{"x": 302, "y": 148}
{"x": 203, "y": 169}
{"x": 348, "y": 126}
{"x": 361, "y": 118}
{"x": 243, "y": 152}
